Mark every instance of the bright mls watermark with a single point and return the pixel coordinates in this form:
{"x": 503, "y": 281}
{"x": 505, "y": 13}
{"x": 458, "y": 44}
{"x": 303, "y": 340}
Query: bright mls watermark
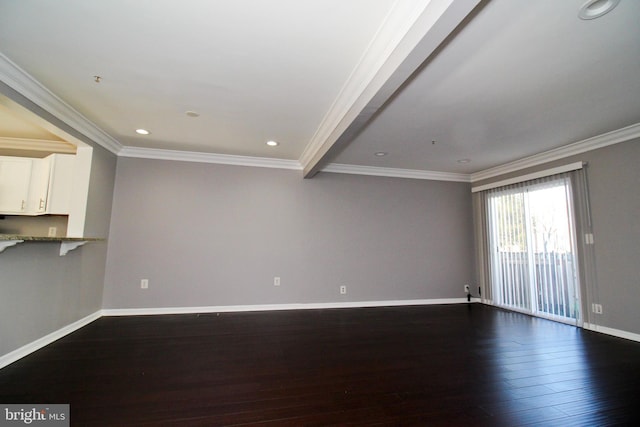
{"x": 36, "y": 415}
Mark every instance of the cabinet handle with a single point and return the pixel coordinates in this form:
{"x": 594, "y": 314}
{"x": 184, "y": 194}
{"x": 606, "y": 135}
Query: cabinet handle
{"x": 22, "y": 206}
{"x": 41, "y": 204}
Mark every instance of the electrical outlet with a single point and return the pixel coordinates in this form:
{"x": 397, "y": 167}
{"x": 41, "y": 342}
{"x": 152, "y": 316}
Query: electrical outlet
{"x": 144, "y": 284}
{"x": 276, "y": 281}
{"x": 596, "y": 308}
{"x": 466, "y": 289}
{"x": 343, "y": 289}
{"x": 52, "y": 231}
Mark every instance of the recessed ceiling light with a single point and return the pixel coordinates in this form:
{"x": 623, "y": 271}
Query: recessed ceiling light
{"x": 272, "y": 144}
{"x": 463, "y": 161}
{"x": 593, "y": 9}
{"x": 192, "y": 113}
{"x": 142, "y": 132}
{"x": 380, "y": 153}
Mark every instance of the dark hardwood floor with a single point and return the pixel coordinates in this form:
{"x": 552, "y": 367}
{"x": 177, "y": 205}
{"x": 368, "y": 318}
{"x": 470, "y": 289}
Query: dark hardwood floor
{"x": 452, "y": 365}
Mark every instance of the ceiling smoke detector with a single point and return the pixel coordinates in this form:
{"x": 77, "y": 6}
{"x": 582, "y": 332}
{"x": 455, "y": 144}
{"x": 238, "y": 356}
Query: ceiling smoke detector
{"x": 596, "y": 8}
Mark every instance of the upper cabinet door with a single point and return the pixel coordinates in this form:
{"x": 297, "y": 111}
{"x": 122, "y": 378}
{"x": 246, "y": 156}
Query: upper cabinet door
{"x": 39, "y": 186}
{"x": 15, "y": 178}
{"x": 61, "y": 170}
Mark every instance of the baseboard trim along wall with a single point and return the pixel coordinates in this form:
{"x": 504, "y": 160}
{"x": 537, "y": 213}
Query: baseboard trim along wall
{"x": 276, "y": 307}
{"x": 27, "y": 349}
{"x": 611, "y": 331}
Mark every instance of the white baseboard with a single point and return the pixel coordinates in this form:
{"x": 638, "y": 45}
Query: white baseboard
{"x": 27, "y": 349}
{"x": 611, "y": 331}
{"x": 275, "y": 307}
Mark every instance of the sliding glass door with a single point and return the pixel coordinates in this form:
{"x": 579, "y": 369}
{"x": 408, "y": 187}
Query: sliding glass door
{"x": 532, "y": 246}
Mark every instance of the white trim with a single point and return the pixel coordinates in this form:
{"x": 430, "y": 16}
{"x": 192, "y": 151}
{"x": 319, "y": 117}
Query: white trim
{"x": 397, "y": 173}
{"x": 611, "y": 331}
{"x": 277, "y": 307}
{"x": 610, "y": 138}
{"x": 366, "y": 78}
{"x": 227, "y": 159}
{"x": 585, "y": 325}
{"x": 410, "y": 34}
{"x": 529, "y": 177}
{"x": 23, "y": 83}
{"x": 8, "y": 143}
{"x": 224, "y": 159}
{"x": 27, "y": 349}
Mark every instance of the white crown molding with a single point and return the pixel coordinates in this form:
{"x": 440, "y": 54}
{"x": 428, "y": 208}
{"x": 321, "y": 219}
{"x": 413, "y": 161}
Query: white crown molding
{"x": 529, "y": 177}
{"x": 396, "y": 173}
{"x": 23, "y": 83}
{"x": 36, "y": 145}
{"x": 277, "y": 307}
{"x": 610, "y": 138}
{"x": 224, "y": 159}
{"x": 25, "y": 350}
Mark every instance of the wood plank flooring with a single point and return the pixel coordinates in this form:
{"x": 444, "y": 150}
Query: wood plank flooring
{"x": 449, "y": 365}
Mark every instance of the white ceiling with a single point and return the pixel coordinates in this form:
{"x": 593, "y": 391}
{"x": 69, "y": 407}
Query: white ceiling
{"x": 517, "y": 78}
{"x": 521, "y": 78}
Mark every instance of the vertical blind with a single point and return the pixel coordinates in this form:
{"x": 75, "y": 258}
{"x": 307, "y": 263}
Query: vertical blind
{"x": 527, "y": 257}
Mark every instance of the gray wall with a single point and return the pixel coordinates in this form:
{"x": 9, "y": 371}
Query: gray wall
{"x": 210, "y": 235}
{"x": 40, "y": 291}
{"x": 614, "y": 189}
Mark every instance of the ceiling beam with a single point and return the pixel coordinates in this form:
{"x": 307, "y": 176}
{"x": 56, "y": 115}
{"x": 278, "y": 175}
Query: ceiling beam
{"x": 410, "y": 35}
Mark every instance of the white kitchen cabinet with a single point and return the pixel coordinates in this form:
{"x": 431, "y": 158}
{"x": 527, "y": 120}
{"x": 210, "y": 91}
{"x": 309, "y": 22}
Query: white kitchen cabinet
{"x": 15, "y": 179}
{"x": 61, "y": 168}
{"x": 36, "y": 186}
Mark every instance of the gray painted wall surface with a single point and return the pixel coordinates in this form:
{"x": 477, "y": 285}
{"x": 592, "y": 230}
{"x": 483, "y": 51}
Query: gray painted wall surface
{"x": 40, "y": 291}
{"x": 614, "y": 189}
{"x": 210, "y": 235}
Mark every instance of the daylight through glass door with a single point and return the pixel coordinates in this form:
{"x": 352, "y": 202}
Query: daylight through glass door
{"x": 532, "y": 241}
